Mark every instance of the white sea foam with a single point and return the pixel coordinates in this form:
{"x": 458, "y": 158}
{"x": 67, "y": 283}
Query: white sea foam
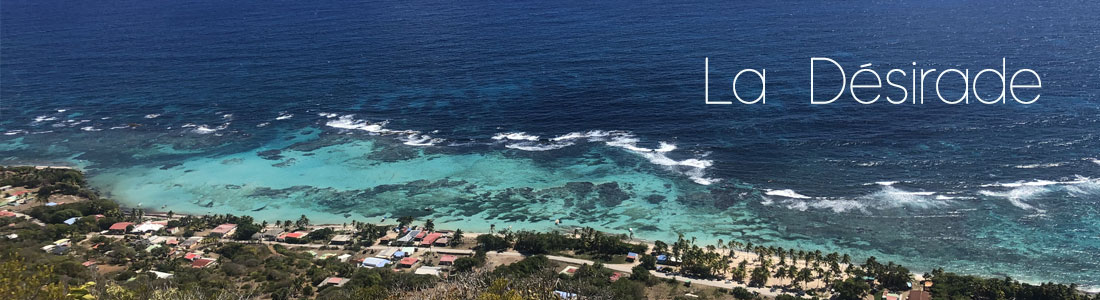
{"x": 152, "y": 116}
{"x": 694, "y": 168}
{"x": 420, "y": 140}
{"x": 531, "y": 146}
{"x": 90, "y": 128}
{"x": 284, "y": 116}
{"x": 1095, "y": 161}
{"x": 1018, "y": 195}
{"x": 264, "y": 124}
{"x": 1046, "y": 165}
{"x": 40, "y": 119}
{"x": 515, "y": 136}
{"x": 119, "y": 127}
{"x": 885, "y": 183}
{"x": 205, "y": 129}
{"x": 14, "y": 132}
{"x": 328, "y": 115}
{"x": 62, "y": 110}
{"x": 786, "y": 193}
{"x": 410, "y": 137}
{"x": 886, "y": 198}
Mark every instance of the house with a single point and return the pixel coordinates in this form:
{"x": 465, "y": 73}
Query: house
{"x": 192, "y": 256}
{"x": 615, "y": 276}
{"x": 420, "y": 236}
{"x": 408, "y": 250}
{"x": 374, "y": 262}
{"x": 447, "y": 260}
{"x": 631, "y": 256}
{"x": 343, "y": 257}
{"x": 6, "y": 214}
{"x": 337, "y": 281}
{"x": 887, "y": 295}
{"x": 341, "y": 239}
{"x": 428, "y": 271}
{"x": 5, "y": 188}
{"x": 430, "y": 239}
{"x": 408, "y": 238}
{"x": 119, "y": 228}
{"x": 223, "y": 230}
{"x": 191, "y": 243}
{"x": 270, "y": 234}
{"x": 919, "y": 295}
{"x": 149, "y": 227}
{"x": 292, "y": 235}
{"x": 386, "y": 253}
{"x": 202, "y": 263}
{"x": 88, "y": 263}
{"x": 400, "y": 254}
{"x": 19, "y": 193}
{"x": 70, "y": 221}
{"x": 408, "y": 262}
{"x": 442, "y": 242}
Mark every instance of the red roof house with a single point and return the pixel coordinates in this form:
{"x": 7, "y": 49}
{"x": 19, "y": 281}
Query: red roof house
{"x": 447, "y": 260}
{"x": 202, "y": 263}
{"x": 408, "y": 261}
{"x": 192, "y": 256}
{"x": 224, "y": 230}
{"x": 428, "y": 240}
{"x": 120, "y": 227}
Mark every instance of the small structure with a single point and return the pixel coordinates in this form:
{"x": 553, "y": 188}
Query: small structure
{"x": 442, "y": 242}
{"x": 343, "y": 257}
{"x": 70, "y": 221}
{"x": 161, "y": 275}
{"x": 570, "y": 270}
{"x": 400, "y": 254}
{"x": 408, "y": 250}
{"x": 119, "y": 228}
{"x": 565, "y": 295}
{"x": 447, "y": 260}
{"x": 88, "y": 263}
{"x": 631, "y": 256}
{"x": 203, "y": 263}
{"x": 192, "y": 256}
{"x": 337, "y": 281}
{"x": 430, "y": 239}
{"x": 428, "y": 271}
{"x": 374, "y": 262}
{"x": 408, "y": 262}
{"x": 223, "y": 230}
{"x": 341, "y": 239}
{"x": 420, "y": 236}
{"x": 615, "y": 276}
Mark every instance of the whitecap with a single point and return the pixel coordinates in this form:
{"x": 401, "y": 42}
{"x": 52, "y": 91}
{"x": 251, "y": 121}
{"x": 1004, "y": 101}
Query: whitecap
{"x": 152, "y": 116}
{"x": 421, "y": 140}
{"x": 263, "y": 124}
{"x": 14, "y": 132}
{"x": 284, "y": 116}
{"x": 90, "y": 128}
{"x": 40, "y": 119}
{"x": 786, "y": 193}
{"x": 515, "y": 136}
{"x": 885, "y": 183}
{"x": 1019, "y": 195}
{"x": 328, "y": 115}
{"x": 1033, "y": 166}
{"x": 528, "y": 146}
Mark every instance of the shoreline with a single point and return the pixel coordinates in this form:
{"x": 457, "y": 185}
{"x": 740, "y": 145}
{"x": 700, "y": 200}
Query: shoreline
{"x": 917, "y": 274}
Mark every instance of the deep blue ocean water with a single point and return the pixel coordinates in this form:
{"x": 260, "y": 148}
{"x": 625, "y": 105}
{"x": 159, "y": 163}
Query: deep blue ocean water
{"x": 524, "y": 113}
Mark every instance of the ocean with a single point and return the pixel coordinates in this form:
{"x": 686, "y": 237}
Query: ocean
{"x": 517, "y": 114}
